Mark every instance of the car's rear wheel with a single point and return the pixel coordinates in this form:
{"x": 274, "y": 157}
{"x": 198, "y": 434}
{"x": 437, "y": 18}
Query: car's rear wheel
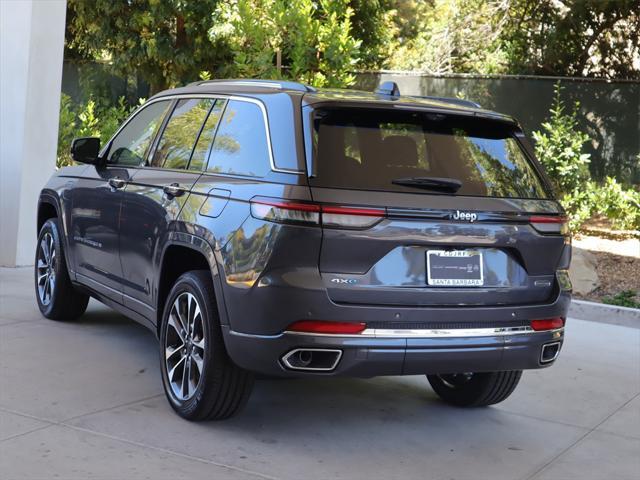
{"x": 475, "y": 389}
{"x": 56, "y": 296}
{"x": 200, "y": 379}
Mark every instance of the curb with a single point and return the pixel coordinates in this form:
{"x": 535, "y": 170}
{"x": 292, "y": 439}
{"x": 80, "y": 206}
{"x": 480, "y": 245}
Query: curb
{"x": 611, "y": 314}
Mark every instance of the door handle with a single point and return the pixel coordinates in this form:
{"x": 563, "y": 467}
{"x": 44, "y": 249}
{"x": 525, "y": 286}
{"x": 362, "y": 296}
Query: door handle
{"x": 116, "y": 183}
{"x": 174, "y": 190}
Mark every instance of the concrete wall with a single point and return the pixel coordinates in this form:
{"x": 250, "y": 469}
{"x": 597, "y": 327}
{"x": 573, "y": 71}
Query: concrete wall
{"x": 32, "y": 47}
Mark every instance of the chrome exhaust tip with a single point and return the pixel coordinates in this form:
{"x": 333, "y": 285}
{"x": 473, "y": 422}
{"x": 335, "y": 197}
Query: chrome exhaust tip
{"x": 312, "y": 359}
{"x": 550, "y": 352}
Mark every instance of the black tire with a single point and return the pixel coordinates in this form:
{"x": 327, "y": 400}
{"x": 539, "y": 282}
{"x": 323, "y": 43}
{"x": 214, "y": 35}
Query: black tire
{"x": 64, "y": 302}
{"x": 222, "y": 387}
{"x": 475, "y": 389}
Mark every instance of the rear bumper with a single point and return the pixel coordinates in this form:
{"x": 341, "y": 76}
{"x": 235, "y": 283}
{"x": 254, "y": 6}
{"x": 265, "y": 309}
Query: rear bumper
{"x": 443, "y": 351}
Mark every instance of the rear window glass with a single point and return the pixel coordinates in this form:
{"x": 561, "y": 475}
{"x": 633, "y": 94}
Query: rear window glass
{"x": 369, "y": 149}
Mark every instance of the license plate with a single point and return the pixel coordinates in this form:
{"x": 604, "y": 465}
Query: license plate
{"x": 454, "y": 268}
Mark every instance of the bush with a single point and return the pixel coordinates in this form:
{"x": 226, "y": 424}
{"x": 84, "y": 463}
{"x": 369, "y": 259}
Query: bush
{"x": 559, "y": 148}
{"x": 90, "y": 119}
{"x": 626, "y": 298}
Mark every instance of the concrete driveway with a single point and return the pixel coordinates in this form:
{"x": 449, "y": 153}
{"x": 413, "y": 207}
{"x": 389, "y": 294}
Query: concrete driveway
{"x": 84, "y": 400}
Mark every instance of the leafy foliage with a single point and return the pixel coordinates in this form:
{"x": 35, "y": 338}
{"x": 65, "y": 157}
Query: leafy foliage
{"x": 447, "y": 36}
{"x": 595, "y": 38}
{"x": 305, "y": 40}
{"x": 90, "y": 119}
{"x": 626, "y": 298}
{"x": 166, "y": 42}
{"x": 559, "y": 148}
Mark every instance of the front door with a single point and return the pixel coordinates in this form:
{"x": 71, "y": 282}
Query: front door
{"x": 156, "y": 194}
{"x": 97, "y": 202}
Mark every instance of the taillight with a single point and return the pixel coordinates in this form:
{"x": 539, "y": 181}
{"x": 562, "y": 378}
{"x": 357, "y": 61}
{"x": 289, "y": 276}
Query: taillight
{"x": 547, "y": 324}
{"x": 350, "y": 217}
{"x": 333, "y": 216}
{"x": 549, "y": 224}
{"x": 282, "y": 211}
{"x": 326, "y": 327}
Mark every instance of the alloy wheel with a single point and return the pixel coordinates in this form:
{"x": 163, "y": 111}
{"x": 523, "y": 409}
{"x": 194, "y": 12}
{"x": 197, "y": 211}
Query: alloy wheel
{"x": 184, "y": 346}
{"x": 46, "y": 269}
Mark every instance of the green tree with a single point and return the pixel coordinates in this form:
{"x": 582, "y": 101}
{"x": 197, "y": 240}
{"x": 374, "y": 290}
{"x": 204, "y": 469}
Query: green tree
{"x": 166, "y": 42}
{"x": 305, "y": 40}
{"x": 450, "y": 36}
{"x": 599, "y": 38}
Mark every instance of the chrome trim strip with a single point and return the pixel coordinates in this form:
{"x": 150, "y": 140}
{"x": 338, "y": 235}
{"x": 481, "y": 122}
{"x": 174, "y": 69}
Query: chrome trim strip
{"x": 223, "y": 97}
{"x": 285, "y": 359}
{"x": 433, "y": 333}
{"x": 413, "y": 333}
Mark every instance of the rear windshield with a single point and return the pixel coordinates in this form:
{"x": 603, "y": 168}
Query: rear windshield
{"x": 370, "y": 149}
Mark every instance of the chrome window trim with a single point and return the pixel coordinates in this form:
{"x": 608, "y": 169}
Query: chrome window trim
{"x": 255, "y": 101}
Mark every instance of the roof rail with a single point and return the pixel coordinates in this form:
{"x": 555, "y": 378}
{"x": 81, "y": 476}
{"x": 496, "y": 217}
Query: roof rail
{"x": 275, "y": 84}
{"x": 453, "y": 100}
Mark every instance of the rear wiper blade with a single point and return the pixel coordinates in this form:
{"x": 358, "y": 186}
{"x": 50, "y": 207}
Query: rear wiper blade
{"x": 430, "y": 183}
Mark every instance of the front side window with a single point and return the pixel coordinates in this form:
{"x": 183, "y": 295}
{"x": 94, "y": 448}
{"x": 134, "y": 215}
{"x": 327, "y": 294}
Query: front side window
{"x": 388, "y": 150}
{"x": 240, "y": 146}
{"x": 130, "y": 147}
{"x": 179, "y": 136}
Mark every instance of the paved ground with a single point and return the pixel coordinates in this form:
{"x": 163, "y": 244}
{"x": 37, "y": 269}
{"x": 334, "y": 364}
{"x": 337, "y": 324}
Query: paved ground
{"x": 85, "y": 400}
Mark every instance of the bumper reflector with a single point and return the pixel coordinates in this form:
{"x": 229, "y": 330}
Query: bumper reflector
{"x": 547, "y": 324}
{"x": 320, "y": 326}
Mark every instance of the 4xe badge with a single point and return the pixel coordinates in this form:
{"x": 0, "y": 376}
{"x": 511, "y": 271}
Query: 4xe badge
{"x": 348, "y": 281}
{"x": 469, "y": 217}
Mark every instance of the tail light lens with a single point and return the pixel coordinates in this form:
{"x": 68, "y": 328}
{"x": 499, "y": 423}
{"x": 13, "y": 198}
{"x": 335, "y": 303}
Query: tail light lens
{"x": 348, "y": 217}
{"x": 321, "y": 326}
{"x": 283, "y": 211}
{"x": 547, "y": 324}
{"x": 549, "y": 224}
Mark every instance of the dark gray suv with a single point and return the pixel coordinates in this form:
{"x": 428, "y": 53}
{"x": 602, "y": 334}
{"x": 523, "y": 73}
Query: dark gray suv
{"x": 269, "y": 227}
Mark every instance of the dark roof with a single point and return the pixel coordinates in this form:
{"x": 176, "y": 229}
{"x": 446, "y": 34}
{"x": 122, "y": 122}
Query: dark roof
{"x": 325, "y": 95}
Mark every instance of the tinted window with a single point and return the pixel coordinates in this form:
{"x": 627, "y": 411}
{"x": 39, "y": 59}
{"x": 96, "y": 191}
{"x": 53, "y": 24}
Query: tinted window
{"x": 368, "y": 149}
{"x": 205, "y": 141}
{"x": 131, "y": 145}
{"x": 240, "y": 145}
{"x": 179, "y": 136}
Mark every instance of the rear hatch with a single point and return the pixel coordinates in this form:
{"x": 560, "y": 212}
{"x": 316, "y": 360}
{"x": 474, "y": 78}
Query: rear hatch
{"x": 431, "y": 209}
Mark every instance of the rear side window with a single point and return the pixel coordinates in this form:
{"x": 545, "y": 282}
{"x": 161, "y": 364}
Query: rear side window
{"x": 179, "y": 136}
{"x": 369, "y": 149}
{"x": 130, "y": 146}
{"x": 205, "y": 140}
{"x": 240, "y": 146}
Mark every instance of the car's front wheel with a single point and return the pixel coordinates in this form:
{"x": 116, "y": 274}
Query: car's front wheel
{"x": 57, "y": 298}
{"x": 200, "y": 379}
{"x": 475, "y": 389}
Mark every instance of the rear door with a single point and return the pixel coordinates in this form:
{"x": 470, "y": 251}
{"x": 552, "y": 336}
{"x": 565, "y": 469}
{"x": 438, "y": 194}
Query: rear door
{"x": 155, "y": 196}
{"x": 446, "y": 210}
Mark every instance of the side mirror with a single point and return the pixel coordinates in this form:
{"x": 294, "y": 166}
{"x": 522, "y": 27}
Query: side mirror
{"x": 85, "y": 150}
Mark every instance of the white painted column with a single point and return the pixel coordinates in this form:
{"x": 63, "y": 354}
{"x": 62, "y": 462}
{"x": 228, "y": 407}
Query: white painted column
{"x": 31, "y": 54}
